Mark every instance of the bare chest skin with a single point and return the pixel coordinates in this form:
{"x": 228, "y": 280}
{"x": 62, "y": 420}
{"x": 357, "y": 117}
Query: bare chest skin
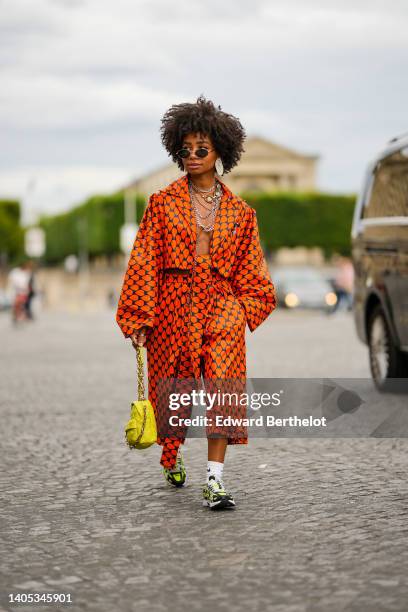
{"x": 203, "y": 242}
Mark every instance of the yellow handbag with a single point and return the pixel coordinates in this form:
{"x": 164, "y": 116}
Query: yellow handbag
{"x": 141, "y": 431}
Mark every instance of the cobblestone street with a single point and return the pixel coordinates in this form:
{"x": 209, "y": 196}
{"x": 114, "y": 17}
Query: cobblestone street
{"x": 320, "y": 525}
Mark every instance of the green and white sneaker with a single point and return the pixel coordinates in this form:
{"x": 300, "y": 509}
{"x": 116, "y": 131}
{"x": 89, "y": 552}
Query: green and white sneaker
{"x": 176, "y": 476}
{"x": 215, "y": 496}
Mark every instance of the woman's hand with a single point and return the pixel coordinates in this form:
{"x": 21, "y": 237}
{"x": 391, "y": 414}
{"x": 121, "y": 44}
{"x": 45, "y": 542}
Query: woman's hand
{"x": 139, "y": 337}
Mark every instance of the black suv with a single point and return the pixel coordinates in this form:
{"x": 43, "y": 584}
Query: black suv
{"x": 380, "y": 256}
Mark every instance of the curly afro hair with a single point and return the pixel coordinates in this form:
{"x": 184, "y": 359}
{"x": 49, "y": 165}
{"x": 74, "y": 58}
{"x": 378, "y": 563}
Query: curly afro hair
{"x": 225, "y": 131}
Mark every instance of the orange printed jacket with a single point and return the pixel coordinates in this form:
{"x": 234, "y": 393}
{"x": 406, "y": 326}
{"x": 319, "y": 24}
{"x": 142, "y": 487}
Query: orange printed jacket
{"x": 167, "y": 238}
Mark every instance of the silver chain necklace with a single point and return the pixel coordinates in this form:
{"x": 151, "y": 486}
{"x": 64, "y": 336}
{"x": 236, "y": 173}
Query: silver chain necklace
{"x": 205, "y": 206}
{"x": 216, "y": 202}
{"x": 199, "y": 215}
{"x": 201, "y": 191}
{"x": 211, "y": 211}
{"x": 208, "y": 198}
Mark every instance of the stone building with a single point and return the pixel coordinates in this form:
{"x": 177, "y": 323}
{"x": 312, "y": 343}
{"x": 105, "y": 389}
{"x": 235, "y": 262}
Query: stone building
{"x": 264, "y": 166}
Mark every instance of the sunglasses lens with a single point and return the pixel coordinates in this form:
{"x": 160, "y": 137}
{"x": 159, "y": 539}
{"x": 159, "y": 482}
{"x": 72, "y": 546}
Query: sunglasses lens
{"x": 202, "y": 152}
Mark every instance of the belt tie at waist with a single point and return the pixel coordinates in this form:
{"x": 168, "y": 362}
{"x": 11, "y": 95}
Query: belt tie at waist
{"x": 219, "y": 284}
{"x": 183, "y": 271}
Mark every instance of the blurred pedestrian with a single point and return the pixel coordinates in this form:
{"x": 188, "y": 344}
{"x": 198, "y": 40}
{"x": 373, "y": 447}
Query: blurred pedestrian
{"x": 344, "y": 284}
{"x": 111, "y": 298}
{"x": 18, "y": 287}
{"x": 31, "y": 289}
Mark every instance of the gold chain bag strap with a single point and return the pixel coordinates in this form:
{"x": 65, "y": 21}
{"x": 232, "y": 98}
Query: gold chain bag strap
{"x": 140, "y": 430}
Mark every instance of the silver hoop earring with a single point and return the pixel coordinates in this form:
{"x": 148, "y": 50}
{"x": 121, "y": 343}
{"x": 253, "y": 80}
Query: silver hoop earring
{"x": 219, "y": 168}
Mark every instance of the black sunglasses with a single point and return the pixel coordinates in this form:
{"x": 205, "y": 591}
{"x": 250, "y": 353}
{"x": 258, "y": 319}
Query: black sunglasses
{"x": 200, "y": 152}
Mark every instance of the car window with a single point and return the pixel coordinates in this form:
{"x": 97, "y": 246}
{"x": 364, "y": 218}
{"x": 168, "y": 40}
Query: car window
{"x": 389, "y": 194}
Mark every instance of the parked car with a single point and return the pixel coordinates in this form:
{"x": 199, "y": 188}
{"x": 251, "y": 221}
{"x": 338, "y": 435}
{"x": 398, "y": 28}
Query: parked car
{"x": 302, "y": 287}
{"x": 380, "y": 257}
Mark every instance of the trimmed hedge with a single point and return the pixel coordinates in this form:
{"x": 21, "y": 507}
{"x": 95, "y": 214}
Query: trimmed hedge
{"x": 11, "y": 233}
{"x": 304, "y": 219}
{"x": 95, "y": 223}
{"x": 285, "y": 220}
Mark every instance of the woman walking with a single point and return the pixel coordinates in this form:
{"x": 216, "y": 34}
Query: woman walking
{"x": 195, "y": 278}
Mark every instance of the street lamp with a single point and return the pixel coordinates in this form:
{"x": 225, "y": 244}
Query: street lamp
{"x": 130, "y": 227}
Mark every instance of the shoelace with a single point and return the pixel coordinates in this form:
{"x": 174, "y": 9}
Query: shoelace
{"x": 217, "y": 485}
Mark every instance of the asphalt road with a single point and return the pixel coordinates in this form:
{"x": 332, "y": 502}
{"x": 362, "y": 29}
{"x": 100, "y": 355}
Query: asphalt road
{"x": 320, "y": 524}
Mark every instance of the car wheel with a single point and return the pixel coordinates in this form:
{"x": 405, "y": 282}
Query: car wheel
{"x": 387, "y": 362}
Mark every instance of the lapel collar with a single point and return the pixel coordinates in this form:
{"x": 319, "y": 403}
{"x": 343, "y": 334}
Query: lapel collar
{"x": 224, "y": 220}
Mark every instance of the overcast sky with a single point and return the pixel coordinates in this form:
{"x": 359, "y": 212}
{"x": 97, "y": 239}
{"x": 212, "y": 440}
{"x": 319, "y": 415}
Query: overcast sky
{"x": 84, "y": 84}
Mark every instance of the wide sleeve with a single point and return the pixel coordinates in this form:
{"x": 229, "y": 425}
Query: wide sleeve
{"x": 250, "y": 279}
{"x": 138, "y": 297}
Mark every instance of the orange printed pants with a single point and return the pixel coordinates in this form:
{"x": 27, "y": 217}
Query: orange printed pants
{"x": 211, "y": 344}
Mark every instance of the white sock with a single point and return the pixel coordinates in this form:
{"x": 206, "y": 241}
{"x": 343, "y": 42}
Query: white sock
{"x": 214, "y": 468}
